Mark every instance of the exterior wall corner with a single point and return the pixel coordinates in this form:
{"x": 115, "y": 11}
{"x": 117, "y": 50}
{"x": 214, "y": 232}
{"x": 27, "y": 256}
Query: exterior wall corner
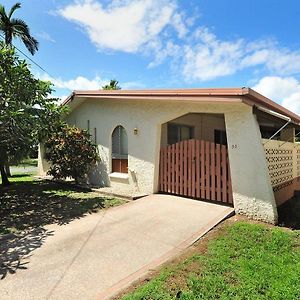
{"x": 252, "y": 190}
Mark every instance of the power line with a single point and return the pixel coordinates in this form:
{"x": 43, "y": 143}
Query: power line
{"x": 35, "y": 63}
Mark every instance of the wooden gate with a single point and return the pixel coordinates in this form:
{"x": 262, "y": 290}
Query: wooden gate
{"x": 197, "y": 169}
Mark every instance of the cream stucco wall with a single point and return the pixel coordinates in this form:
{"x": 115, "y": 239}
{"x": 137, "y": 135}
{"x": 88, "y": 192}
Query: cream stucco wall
{"x": 253, "y": 194}
{"x": 252, "y": 190}
{"x": 143, "y": 148}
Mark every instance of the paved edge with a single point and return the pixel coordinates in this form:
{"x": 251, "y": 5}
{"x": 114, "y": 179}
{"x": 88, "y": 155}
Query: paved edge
{"x": 124, "y": 283}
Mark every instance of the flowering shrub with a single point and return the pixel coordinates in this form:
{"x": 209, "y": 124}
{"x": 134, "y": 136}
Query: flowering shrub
{"x": 71, "y": 153}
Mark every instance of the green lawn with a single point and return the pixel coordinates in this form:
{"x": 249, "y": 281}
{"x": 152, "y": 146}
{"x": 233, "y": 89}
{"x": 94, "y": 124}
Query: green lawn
{"x": 243, "y": 261}
{"x": 28, "y": 204}
{"x": 20, "y": 177}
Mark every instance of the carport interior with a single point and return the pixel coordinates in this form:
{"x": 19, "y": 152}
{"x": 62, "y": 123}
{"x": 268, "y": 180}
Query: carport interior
{"x": 194, "y": 158}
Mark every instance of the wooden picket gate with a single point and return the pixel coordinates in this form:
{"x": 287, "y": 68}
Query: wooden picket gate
{"x": 196, "y": 169}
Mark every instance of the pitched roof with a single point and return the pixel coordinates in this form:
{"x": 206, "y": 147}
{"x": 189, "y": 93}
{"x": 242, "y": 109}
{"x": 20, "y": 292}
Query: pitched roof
{"x": 249, "y": 97}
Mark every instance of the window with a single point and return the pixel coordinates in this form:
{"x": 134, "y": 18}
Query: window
{"x": 220, "y": 137}
{"x": 119, "y": 150}
{"x": 266, "y": 133}
{"x": 177, "y": 133}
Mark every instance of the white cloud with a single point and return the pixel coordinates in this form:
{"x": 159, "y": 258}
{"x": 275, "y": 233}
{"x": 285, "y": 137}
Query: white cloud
{"x": 277, "y": 60}
{"x": 83, "y": 83}
{"x": 179, "y": 24}
{"x": 46, "y": 36}
{"x": 285, "y": 90}
{"x": 78, "y": 83}
{"x": 124, "y": 25}
{"x": 161, "y": 52}
{"x": 209, "y": 57}
{"x": 142, "y": 26}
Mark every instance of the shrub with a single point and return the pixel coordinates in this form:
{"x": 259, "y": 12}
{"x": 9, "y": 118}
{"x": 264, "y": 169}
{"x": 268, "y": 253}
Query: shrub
{"x": 70, "y": 153}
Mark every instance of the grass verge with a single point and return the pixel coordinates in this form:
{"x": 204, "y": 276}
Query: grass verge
{"x": 28, "y": 204}
{"x": 20, "y": 177}
{"x": 243, "y": 261}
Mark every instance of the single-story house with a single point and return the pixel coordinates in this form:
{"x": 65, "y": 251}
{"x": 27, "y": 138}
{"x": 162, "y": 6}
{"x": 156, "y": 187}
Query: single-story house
{"x": 229, "y": 145}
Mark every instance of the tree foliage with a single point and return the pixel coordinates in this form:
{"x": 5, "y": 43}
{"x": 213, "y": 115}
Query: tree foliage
{"x": 113, "y": 85}
{"x": 27, "y": 114}
{"x": 14, "y": 27}
{"x": 71, "y": 153}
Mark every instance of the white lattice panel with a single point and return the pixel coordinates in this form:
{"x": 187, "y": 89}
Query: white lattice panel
{"x": 280, "y": 165}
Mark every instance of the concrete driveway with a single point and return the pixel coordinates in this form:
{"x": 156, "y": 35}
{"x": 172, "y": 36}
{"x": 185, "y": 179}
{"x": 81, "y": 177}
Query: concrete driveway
{"x": 96, "y": 256}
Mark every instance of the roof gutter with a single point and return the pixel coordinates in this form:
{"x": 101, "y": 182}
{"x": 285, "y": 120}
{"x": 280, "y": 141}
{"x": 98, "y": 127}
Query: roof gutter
{"x": 262, "y": 101}
{"x": 273, "y": 113}
{"x": 69, "y": 99}
{"x": 248, "y": 96}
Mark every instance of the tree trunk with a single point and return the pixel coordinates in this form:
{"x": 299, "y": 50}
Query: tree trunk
{"x": 3, "y": 160}
{"x": 5, "y": 181}
{"x": 7, "y": 169}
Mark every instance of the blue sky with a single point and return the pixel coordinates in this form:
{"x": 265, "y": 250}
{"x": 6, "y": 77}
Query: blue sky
{"x": 168, "y": 44}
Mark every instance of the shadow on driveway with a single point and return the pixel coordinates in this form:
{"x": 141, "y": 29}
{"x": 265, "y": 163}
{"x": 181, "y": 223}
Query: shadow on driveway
{"x": 15, "y": 249}
{"x": 26, "y": 207}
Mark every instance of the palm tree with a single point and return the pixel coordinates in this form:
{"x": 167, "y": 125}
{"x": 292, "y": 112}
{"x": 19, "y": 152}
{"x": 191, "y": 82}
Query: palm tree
{"x": 12, "y": 27}
{"x": 113, "y": 85}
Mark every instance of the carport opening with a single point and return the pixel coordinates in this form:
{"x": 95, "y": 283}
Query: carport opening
{"x": 194, "y": 158}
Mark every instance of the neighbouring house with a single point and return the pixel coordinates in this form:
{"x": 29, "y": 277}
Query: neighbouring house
{"x": 231, "y": 145}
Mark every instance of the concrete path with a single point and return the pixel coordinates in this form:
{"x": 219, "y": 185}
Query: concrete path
{"x": 23, "y": 169}
{"x": 96, "y": 256}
